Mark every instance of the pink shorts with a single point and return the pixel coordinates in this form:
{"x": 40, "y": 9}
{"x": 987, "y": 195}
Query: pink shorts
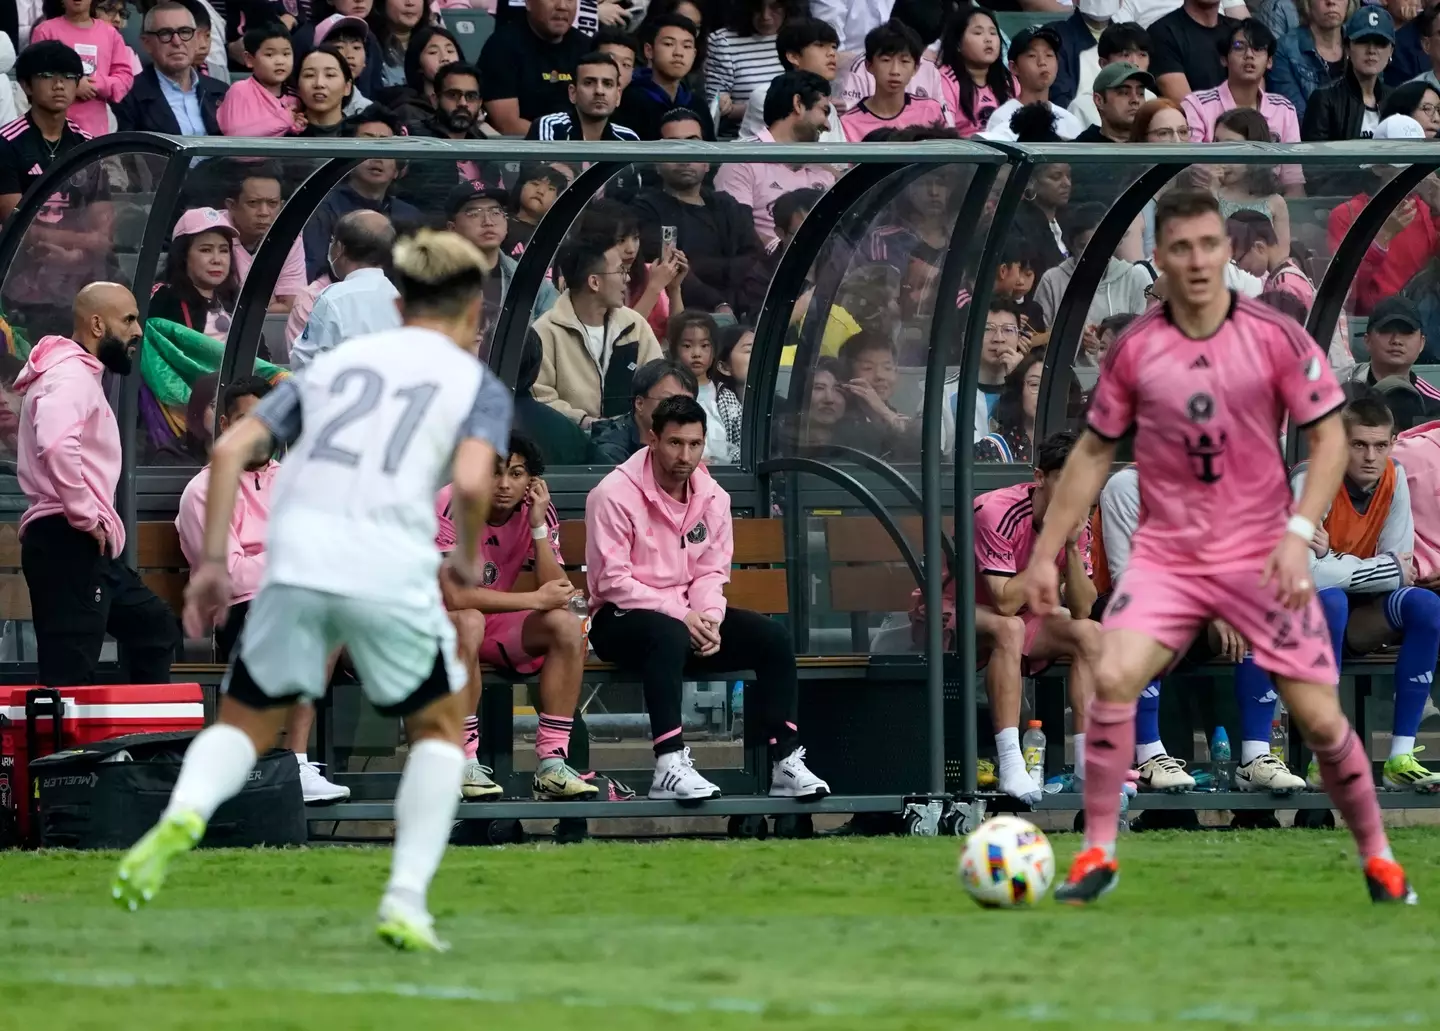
{"x": 503, "y": 647}
{"x": 1173, "y": 607}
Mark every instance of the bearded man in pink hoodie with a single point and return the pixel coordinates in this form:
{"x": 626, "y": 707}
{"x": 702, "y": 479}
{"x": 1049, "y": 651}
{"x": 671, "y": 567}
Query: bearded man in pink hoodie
{"x": 71, "y": 537}
{"x": 658, "y": 549}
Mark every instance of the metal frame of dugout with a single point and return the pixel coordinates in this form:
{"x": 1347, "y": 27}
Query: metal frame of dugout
{"x": 941, "y": 697}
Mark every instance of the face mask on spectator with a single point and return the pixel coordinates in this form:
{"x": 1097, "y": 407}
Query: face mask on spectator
{"x": 1099, "y": 8}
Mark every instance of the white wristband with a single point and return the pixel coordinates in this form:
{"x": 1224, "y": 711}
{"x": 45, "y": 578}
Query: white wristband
{"x": 1301, "y": 527}
{"x": 539, "y": 533}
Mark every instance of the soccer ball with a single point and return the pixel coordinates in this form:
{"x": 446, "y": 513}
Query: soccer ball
{"x": 1007, "y": 863}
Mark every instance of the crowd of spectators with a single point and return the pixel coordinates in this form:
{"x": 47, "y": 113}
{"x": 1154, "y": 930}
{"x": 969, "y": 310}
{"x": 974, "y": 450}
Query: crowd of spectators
{"x": 672, "y": 261}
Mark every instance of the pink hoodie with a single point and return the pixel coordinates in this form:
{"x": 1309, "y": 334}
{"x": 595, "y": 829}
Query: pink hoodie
{"x": 249, "y": 109}
{"x": 1418, "y": 452}
{"x": 245, "y": 549}
{"x": 642, "y": 553}
{"x": 69, "y": 443}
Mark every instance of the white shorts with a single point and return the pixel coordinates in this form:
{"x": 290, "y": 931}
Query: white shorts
{"x": 406, "y": 657}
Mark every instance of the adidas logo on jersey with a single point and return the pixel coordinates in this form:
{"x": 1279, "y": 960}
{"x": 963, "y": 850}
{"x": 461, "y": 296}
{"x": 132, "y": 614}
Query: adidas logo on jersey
{"x": 492, "y": 541}
{"x": 35, "y": 169}
{"x": 1200, "y": 363}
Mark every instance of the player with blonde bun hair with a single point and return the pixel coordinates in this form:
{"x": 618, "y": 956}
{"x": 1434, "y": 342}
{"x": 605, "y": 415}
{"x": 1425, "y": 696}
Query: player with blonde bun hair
{"x": 371, "y": 427}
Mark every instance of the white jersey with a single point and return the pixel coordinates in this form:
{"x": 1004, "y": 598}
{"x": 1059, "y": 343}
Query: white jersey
{"x": 372, "y": 428}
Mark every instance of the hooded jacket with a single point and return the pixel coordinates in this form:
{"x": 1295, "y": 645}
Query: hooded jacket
{"x": 641, "y": 552}
{"x": 245, "y": 546}
{"x": 570, "y": 380}
{"x": 69, "y": 443}
{"x": 1122, "y": 289}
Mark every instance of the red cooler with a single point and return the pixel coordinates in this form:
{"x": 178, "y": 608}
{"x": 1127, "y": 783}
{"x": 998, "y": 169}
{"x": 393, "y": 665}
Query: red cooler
{"x": 90, "y": 714}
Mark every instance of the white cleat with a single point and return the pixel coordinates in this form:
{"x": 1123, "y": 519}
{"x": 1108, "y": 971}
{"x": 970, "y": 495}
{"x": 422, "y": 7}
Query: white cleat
{"x": 791, "y": 778}
{"x": 316, "y": 789}
{"x": 1165, "y": 774}
{"x": 475, "y": 783}
{"x": 1017, "y": 782}
{"x": 677, "y": 780}
{"x": 1267, "y": 773}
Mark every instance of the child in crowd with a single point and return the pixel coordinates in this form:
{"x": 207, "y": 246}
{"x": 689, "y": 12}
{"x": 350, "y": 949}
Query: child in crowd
{"x": 732, "y": 358}
{"x": 1249, "y": 187}
{"x": 109, "y": 64}
{"x": 1015, "y": 282}
{"x": 351, "y": 37}
{"x": 973, "y": 73}
{"x": 322, "y": 82}
{"x": 535, "y": 191}
{"x": 200, "y": 285}
{"x": 117, "y": 14}
{"x": 623, "y": 48}
{"x": 259, "y": 106}
{"x": 892, "y": 53}
{"x": 692, "y": 339}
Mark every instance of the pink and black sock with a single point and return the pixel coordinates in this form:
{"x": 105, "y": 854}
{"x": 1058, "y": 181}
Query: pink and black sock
{"x": 470, "y": 737}
{"x": 552, "y": 740}
{"x": 784, "y": 741}
{"x": 1109, "y": 749}
{"x": 1345, "y": 769}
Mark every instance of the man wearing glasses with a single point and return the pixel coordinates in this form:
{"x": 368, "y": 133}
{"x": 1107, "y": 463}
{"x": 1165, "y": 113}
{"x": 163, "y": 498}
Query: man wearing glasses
{"x": 69, "y": 242}
{"x": 477, "y": 213}
{"x": 458, "y": 116}
{"x": 171, "y": 96}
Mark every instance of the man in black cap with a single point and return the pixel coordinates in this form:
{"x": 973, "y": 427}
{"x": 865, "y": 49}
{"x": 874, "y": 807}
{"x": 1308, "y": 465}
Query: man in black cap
{"x": 478, "y": 213}
{"x": 1119, "y": 91}
{"x": 1034, "y": 61}
{"x": 1395, "y": 339}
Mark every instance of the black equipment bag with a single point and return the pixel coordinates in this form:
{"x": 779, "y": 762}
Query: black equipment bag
{"x": 108, "y": 794}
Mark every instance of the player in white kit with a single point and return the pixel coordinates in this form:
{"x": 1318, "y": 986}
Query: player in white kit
{"x": 374, "y": 427}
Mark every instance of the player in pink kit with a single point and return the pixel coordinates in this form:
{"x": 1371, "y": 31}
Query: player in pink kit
{"x": 524, "y": 630}
{"x": 1206, "y": 382}
{"x": 1007, "y": 522}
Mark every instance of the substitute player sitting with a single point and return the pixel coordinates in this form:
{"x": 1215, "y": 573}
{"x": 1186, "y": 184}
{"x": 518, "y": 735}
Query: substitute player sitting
{"x": 1364, "y": 547}
{"x": 1206, "y": 381}
{"x": 532, "y": 630}
{"x": 1019, "y": 641}
{"x": 372, "y": 426}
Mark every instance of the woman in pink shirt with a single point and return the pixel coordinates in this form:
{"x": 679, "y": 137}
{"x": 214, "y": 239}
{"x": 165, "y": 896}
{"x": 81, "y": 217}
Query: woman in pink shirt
{"x": 109, "y": 63}
{"x": 972, "y": 68}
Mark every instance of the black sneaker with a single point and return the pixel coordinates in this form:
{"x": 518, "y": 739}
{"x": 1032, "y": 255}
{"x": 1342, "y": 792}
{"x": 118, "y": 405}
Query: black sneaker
{"x": 1091, "y": 875}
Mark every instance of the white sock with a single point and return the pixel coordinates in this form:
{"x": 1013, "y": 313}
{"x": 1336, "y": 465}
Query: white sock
{"x": 1007, "y": 743}
{"x": 1079, "y": 756}
{"x": 1149, "y": 750}
{"x": 216, "y": 766}
{"x": 301, "y": 758}
{"x": 1252, "y": 750}
{"x": 424, "y": 811}
{"x": 1401, "y": 745}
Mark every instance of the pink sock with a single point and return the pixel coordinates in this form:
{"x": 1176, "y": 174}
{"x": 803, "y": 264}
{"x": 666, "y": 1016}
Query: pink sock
{"x": 552, "y": 740}
{"x": 471, "y": 737}
{"x": 1109, "y": 749}
{"x": 1345, "y": 769}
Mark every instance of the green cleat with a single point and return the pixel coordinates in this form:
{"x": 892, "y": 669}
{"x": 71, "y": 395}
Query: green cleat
{"x": 555, "y": 781}
{"x": 142, "y": 870}
{"x": 405, "y": 929}
{"x": 1403, "y": 772}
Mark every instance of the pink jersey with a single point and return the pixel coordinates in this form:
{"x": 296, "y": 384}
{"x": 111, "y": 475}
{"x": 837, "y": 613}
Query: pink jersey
{"x": 1005, "y": 533}
{"x": 1204, "y": 107}
{"x": 1214, "y": 494}
{"x": 860, "y": 120}
{"x": 506, "y": 548}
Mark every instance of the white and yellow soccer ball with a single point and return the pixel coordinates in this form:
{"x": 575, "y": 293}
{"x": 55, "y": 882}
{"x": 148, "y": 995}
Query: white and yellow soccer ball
{"x": 1007, "y": 863}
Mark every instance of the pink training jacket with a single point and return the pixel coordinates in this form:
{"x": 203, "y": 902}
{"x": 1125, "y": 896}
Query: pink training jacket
{"x": 643, "y": 552}
{"x": 245, "y": 547}
{"x": 1418, "y": 452}
{"x": 69, "y": 443}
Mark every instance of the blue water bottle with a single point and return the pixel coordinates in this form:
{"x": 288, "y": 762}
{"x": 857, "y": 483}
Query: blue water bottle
{"x": 1220, "y": 765}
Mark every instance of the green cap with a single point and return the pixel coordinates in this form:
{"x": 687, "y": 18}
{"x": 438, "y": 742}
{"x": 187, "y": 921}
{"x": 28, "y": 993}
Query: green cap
{"x": 1113, "y": 74}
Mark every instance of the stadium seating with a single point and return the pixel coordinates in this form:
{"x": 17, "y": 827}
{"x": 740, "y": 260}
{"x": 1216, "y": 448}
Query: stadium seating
{"x": 471, "y": 28}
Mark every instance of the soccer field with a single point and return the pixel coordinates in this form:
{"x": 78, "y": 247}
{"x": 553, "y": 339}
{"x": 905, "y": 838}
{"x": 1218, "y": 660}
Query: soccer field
{"x": 1223, "y": 930}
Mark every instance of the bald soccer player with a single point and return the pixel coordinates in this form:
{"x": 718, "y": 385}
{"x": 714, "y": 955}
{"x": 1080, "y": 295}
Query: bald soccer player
{"x": 71, "y": 537}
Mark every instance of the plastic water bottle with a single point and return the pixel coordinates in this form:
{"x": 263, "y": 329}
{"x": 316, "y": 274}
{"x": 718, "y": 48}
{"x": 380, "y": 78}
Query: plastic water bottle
{"x": 580, "y": 608}
{"x": 1279, "y": 738}
{"x": 1220, "y": 765}
{"x": 1032, "y": 745}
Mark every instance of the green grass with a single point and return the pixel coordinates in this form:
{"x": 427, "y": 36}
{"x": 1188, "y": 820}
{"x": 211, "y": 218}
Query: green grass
{"x": 1257, "y": 929}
